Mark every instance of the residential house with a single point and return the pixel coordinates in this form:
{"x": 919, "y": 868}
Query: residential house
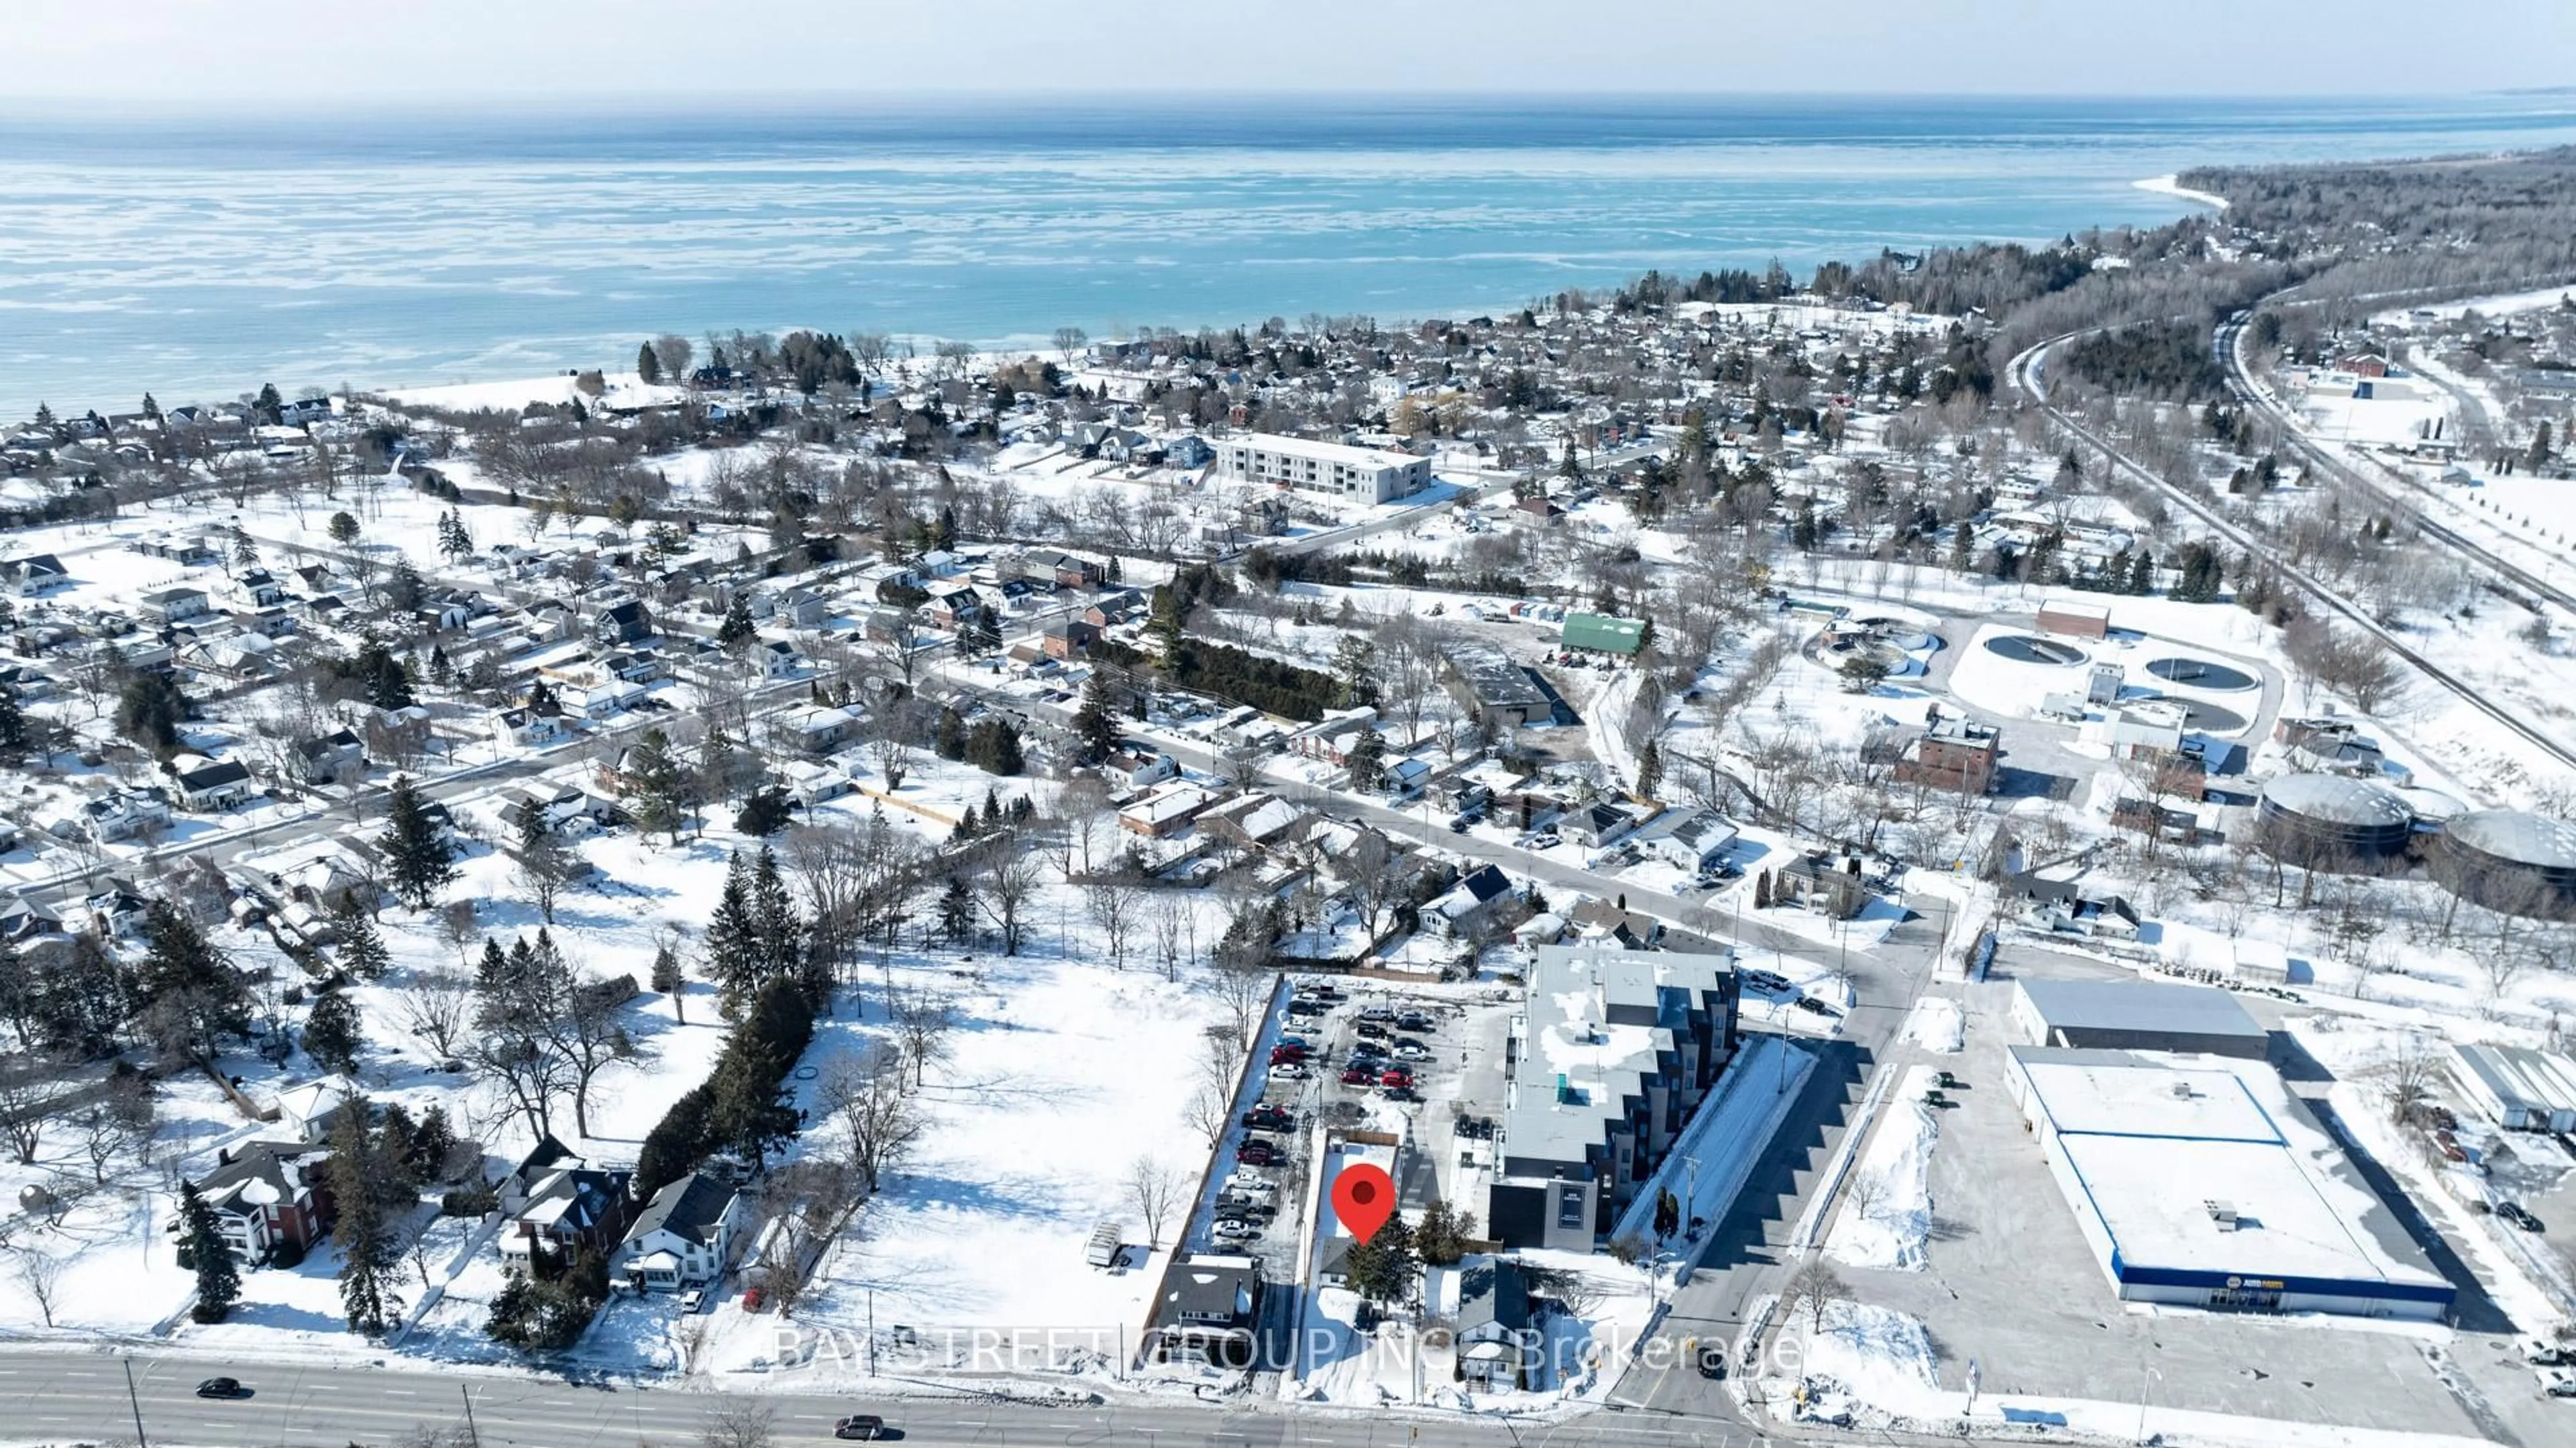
{"x": 1138, "y": 767}
{"x": 2068, "y": 907}
{"x": 1069, "y": 639}
{"x": 268, "y": 1197}
{"x": 1701, "y": 841}
{"x": 529, "y": 729}
{"x": 1255, "y": 821}
{"x": 1479, "y": 905}
{"x": 683, "y": 1237}
{"x": 1062, "y": 570}
{"x": 1210, "y": 1312}
{"x": 34, "y": 575}
{"x": 1595, "y": 825}
{"x": 1492, "y": 1332}
{"x": 217, "y": 785}
{"x": 571, "y": 1208}
{"x": 623, "y": 623}
{"x": 310, "y": 1111}
{"x": 259, "y": 588}
{"x": 780, "y": 660}
{"x": 173, "y": 605}
{"x": 126, "y": 813}
{"x": 822, "y": 729}
{"x": 336, "y": 758}
{"x": 1166, "y": 811}
{"x": 1816, "y": 884}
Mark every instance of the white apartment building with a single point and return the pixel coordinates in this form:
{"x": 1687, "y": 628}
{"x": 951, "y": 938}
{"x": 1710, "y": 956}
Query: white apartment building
{"x": 1323, "y": 467}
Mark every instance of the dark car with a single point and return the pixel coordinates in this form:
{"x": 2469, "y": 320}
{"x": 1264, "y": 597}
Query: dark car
{"x": 1372, "y": 1030}
{"x": 1810, "y": 1003}
{"x": 222, "y": 1388}
{"x": 1258, "y": 1153}
{"x": 864, "y": 1426}
{"x": 1712, "y": 1362}
{"x": 1400, "y": 1093}
{"x": 2519, "y": 1215}
{"x": 1267, "y": 1117}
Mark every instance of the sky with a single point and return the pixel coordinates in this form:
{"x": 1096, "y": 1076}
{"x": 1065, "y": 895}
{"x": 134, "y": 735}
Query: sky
{"x": 667, "y": 55}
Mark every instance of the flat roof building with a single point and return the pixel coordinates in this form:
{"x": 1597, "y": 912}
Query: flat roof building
{"x": 2137, "y": 1015}
{"x": 1486, "y": 683}
{"x": 1338, "y": 469}
{"x": 1613, "y": 1052}
{"x": 2201, "y": 1182}
{"x": 2518, "y": 1088}
{"x": 1600, "y": 633}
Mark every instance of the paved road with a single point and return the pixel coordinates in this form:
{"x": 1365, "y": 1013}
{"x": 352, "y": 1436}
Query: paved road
{"x": 67, "y": 1398}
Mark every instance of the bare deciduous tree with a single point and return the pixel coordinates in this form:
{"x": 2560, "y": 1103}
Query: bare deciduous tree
{"x": 434, "y": 1007}
{"x": 41, "y": 1273}
{"x": 1154, "y": 1189}
{"x": 882, "y": 1122}
{"x": 922, "y": 1022}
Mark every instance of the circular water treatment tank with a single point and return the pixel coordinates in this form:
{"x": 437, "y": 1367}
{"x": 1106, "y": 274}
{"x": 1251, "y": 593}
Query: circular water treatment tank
{"x": 2209, "y": 718}
{"x": 2200, "y": 674}
{"x": 2511, "y": 859}
{"x": 2337, "y": 814}
{"x": 2031, "y": 649}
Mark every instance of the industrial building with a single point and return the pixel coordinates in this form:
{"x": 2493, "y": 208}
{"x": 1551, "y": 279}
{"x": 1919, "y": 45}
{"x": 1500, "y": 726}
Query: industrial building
{"x": 2322, "y": 817}
{"x": 1323, "y": 467}
{"x": 2510, "y": 859}
{"x": 2137, "y": 1015}
{"x": 1613, "y": 1052}
{"x": 2201, "y": 1182}
{"x": 1498, "y": 693}
{"x": 2518, "y": 1088}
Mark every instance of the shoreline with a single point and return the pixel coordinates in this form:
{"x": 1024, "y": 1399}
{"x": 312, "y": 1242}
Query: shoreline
{"x": 2170, "y": 184}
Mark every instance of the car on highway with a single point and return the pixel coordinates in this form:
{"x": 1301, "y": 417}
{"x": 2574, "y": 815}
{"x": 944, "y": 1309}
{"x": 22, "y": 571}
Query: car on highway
{"x": 864, "y": 1427}
{"x": 222, "y": 1388}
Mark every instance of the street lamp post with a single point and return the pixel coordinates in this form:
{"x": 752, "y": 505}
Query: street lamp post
{"x": 135, "y": 1403}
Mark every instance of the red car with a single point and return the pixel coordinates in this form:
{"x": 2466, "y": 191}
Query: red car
{"x": 1357, "y": 1076}
{"x": 1281, "y": 1055}
{"x": 1257, "y": 1153}
{"x": 752, "y": 1297}
{"x": 1396, "y": 1076}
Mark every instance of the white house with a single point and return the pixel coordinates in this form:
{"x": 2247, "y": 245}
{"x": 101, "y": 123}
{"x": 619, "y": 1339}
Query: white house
{"x": 682, "y": 1237}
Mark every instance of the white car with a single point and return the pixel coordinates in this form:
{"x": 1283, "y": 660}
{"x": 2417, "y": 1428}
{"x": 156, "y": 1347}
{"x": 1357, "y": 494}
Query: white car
{"x": 1250, "y": 1185}
{"x": 692, "y": 1300}
{"x": 1231, "y": 1231}
{"x": 1407, "y": 1051}
{"x": 2556, "y": 1382}
{"x": 2540, "y": 1352}
{"x": 1287, "y": 1071}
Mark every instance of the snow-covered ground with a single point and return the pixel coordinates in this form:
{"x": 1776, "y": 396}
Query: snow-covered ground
{"x": 1887, "y": 1211}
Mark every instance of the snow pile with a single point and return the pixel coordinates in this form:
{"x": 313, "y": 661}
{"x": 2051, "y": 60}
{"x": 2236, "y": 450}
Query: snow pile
{"x": 1936, "y": 1025}
{"x": 1890, "y": 1213}
{"x": 1861, "y": 1355}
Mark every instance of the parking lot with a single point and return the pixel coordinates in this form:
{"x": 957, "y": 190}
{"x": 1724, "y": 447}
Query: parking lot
{"x": 2012, "y": 1284}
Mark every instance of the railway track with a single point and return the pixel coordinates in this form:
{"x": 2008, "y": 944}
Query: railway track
{"x": 2028, "y": 373}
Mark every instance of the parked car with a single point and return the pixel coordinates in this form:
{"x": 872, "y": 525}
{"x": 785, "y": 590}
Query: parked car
{"x": 693, "y": 1299}
{"x": 1234, "y": 1231}
{"x": 752, "y": 1298}
{"x": 2556, "y": 1382}
{"x": 1288, "y": 1071}
{"x": 2519, "y": 1215}
{"x": 1356, "y": 1076}
{"x": 1396, "y": 1076}
{"x": 1244, "y": 1183}
{"x": 1372, "y": 1031}
{"x": 1270, "y": 1117}
{"x": 1413, "y": 1021}
{"x": 222, "y": 1388}
{"x": 1300, "y": 1006}
{"x": 1284, "y": 1054}
{"x": 1400, "y": 1093}
{"x": 1541, "y": 842}
{"x": 2540, "y": 1352}
{"x": 865, "y": 1427}
{"x": 1412, "y": 1051}
{"x": 1811, "y": 1004}
{"x": 1258, "y": 1153}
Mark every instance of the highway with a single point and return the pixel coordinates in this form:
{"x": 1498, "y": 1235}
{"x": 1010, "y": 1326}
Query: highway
{"x": 65, "y": 1398}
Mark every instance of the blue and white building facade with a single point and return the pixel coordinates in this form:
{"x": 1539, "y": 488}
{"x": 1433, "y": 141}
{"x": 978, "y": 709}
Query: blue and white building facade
{"x": 2199, "y": 1181}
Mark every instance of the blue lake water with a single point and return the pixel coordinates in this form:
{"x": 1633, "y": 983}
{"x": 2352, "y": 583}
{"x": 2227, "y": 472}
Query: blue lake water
{"x": 199, "y": 260}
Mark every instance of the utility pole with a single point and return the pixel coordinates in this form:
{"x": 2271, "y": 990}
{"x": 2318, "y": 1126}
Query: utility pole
{"x": 473, "y": 1434}
{"x": 135, "y": 1403}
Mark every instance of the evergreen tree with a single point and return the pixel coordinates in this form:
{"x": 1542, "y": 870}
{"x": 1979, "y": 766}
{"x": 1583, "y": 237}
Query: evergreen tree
{"x": 192, "y": 994}
{"x": 333, "y": 1034}
{"x": 1963, "y": 547}
{"x": 44, "y": 416}
{"x": 733, "y": 940}
{"x": 669, "y": 981}
{"x": 648, "y": 367}
{"x": 2142, "y": 573}
{"x": 417, "y": 855}
{"x": 343, "y": 529}
{"x": 1095, "y": 725}
{"x": 365, "y": 1188}
{"x": 1440, "y": 1238}
{"x": 2538, "y": 456}
{"x": 1762, "y": 891}
{"x": 1355, "y": 666}
{"x": 362, "y": 951}
{"x": 948, "y": 740}
{"x": 149, "y": 711}
{"x": 545, "y": 865}
{"x": 957, "y": 911}
{"x": 1367, "y": 761}
{"x": 774, "y": 918}
{"x": 765, "y": 813}
{"x": 442, "y": 671}
{"x": 737, "y": 633}
{"x": 151, "y": 409}
{"x": 1382, "y": 1268}
{"x": 218, "y": 1276}
{"x": 1650, "y": 770}
{"x": 650, "y": 783}
{"x": 994, "y": 747}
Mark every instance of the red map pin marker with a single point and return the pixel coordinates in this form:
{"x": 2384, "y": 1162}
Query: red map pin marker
{"x": 1363, "y": 1198}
